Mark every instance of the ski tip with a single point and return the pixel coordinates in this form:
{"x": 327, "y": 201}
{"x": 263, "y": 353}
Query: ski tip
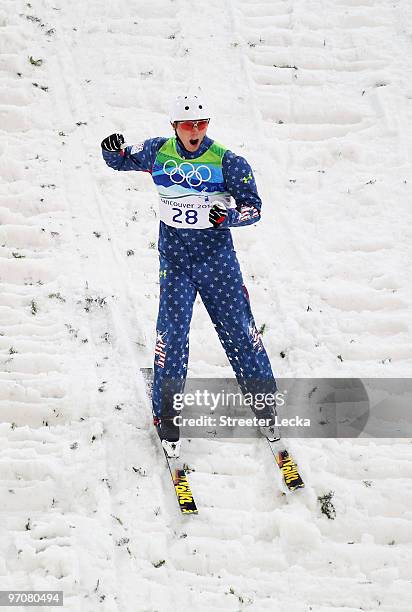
{"x": 300, "y": 485}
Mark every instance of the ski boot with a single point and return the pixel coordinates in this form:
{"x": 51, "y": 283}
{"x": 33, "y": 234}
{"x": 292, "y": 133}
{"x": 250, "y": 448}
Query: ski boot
{"x": 169, "y": 434}
{"x": 271, "y": 432}
{"x": 172, "y": 449}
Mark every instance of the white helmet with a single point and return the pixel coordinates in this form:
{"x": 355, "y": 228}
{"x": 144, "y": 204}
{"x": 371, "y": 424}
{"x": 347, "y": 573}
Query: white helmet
{"x": 189, "y": 107}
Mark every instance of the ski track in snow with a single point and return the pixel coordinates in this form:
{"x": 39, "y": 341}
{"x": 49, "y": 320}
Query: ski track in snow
{"x": 317, "y": 96}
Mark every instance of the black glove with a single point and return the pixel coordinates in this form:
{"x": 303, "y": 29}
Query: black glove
{"x": 113, "y": 142}
{"x": 217, "y": 214}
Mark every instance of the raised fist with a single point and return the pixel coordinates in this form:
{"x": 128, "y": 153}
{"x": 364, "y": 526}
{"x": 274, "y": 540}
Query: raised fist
{"x": 113, "y": 142}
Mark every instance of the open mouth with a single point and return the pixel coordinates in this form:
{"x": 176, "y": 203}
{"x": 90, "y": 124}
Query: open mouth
{"x": 194, "y": 141}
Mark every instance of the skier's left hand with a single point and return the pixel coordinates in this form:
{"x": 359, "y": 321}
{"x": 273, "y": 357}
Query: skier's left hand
{"x": 217, "y": 214}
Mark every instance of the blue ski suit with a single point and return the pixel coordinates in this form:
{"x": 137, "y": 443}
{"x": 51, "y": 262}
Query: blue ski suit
{"x": 199, "y": 260}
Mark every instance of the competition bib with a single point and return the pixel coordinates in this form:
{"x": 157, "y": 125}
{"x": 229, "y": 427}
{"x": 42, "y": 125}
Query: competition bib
{"x": 190, "y": 212}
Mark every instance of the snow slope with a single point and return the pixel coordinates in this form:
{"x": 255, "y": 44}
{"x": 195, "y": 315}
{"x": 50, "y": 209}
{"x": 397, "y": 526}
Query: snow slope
{"x": 317, "y": 95}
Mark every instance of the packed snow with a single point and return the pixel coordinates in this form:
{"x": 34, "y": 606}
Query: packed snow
{"x": 318, "y": 97}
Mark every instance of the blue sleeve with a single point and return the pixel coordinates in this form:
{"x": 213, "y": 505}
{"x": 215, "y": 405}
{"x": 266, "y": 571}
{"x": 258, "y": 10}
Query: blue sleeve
{"x": 241, "y": 185}
{"x": 135, "y": 157}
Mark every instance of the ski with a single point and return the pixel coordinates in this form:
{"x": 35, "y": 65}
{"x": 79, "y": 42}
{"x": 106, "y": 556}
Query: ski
{"x": 176, "y": 467}
{"x": 181, "y": 485}
{"x": 287, "y": 466}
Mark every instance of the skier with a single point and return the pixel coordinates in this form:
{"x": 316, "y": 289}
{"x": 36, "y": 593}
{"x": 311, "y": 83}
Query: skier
{"x": 196, "y": 178}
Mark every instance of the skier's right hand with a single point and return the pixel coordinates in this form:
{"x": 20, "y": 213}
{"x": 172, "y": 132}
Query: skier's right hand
{"x": 113, "y": 142}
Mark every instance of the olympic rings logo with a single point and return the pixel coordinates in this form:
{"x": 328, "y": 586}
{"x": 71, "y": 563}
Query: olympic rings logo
{"x": 195, "y": 176}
